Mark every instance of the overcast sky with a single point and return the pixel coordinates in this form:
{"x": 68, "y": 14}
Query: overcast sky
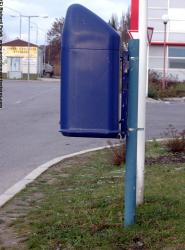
{"x": 53, "y": 9}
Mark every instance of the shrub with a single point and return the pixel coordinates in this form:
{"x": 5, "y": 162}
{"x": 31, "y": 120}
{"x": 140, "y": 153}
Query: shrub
{"x": 174, "y": 87}
{"x": 153, "y": 92}
{"x": 118, "y": 154}
{"x": 180, "y": 89}
{"x": 155, "y": 77}
{"x": 176, "y": 141}
{"x": 168, "y": 92}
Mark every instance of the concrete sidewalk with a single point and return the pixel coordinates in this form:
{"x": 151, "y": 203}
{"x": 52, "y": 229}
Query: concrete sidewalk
{"x": 48, "y": 79}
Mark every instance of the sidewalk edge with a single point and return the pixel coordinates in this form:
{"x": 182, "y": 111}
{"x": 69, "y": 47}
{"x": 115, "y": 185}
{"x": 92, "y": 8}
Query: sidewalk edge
{"x": 20, "y": 185}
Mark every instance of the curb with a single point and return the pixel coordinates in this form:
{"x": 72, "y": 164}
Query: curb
{"x": 166, "y": 100}
{"x": 49, "y": 79}
{"x": 20, "y": 185}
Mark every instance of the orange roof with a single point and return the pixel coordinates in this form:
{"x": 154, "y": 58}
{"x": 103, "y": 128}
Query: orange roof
{"x": 19, "y": 43}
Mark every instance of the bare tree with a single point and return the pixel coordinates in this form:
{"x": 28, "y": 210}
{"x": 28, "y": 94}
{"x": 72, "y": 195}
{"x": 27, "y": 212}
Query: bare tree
{"x": 54, "y": 34}
{"x": 124, "y": 27}
{"x": 114, "y": 21}
{"x": 54, "y": 44}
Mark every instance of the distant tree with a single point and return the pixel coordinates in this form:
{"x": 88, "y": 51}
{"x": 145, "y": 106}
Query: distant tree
{"x": 54, "y": 34}
{"x": 114, "y": 21}
{"x": 124, "y": 27}
{"x": 54, "y": 44}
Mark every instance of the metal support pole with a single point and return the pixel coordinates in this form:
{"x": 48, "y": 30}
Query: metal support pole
{"x": 147, "y": 76}
{"x": 164, "y": 59}
{"x": 131, "y": 140}
{"x": 29, "y": 47}
{"x": 149, "y": 36}
{"x": 37, "y": 34}
{"x": 49, "y": 53}
{"x": 20, "y": 26}
{"x": 124, "y": 96}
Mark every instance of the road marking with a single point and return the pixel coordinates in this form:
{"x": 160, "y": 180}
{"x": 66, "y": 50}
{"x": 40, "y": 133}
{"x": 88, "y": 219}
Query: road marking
{"x": 18, "y": 102}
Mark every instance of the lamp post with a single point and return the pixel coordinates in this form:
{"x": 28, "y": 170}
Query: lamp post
{"x": 50, "y": 48}
{"x": 20, "y": 19}
{"x": 20, "y": 24}
{"x": 165, "y": 19}
{"x": 149, "y": 38}
{"x": 37, "y": 32}
{"x": 29, "y": 20}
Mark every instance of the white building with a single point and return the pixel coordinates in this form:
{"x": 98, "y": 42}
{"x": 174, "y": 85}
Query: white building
{"x": 15, "y": 60}
{"x": 174, "y": 43}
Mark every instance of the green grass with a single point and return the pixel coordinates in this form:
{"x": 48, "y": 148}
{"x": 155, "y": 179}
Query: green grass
{"x": 78, "y": 204}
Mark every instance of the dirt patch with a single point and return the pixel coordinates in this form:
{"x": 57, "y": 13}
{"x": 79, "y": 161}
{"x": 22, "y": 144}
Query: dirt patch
{"x": 166, "y": 159}
{"x": 15, "y": 209}
{"x": 8, "y": 237}
{"x": 19, "y": 206}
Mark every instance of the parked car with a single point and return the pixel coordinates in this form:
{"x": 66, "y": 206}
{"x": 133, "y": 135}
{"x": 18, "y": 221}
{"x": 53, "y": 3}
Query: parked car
{"x": 48, "y": 70}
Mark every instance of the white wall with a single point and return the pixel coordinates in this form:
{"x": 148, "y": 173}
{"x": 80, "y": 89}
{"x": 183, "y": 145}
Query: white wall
{"x": 33, "y": 65}
{"x": 156, "y": 57}
{"x": 175, "y": 9}
{"x": 6, "y": 67}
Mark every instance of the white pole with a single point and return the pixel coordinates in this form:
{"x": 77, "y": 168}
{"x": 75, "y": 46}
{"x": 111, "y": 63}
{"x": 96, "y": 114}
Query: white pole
{"x": 20, "y": 26}
{"x": 37, "y": 34}
{"x": 29, "y": 47}
{"x": 141, "y": 100}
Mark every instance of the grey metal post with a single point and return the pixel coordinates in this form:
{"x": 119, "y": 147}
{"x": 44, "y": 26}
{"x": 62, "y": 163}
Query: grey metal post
{"x": 20, "y": 26}
{"x": 29, "y": 47}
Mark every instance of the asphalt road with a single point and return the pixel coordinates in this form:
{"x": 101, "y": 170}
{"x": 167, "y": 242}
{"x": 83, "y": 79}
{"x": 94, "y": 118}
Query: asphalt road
{"x": 29, "y": 124}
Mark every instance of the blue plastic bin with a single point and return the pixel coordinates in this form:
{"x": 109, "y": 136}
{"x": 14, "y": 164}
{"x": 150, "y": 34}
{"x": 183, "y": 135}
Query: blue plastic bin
{"x": 89, "y": 76}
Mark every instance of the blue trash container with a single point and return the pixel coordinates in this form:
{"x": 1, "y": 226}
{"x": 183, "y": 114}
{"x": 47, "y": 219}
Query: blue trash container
{"x": 89, "y": 76}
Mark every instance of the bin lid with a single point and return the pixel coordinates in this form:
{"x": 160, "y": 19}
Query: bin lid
{"x": 85, "y": 30}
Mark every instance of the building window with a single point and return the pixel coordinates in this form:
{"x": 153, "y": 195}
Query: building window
{"x": 176, "y": 57}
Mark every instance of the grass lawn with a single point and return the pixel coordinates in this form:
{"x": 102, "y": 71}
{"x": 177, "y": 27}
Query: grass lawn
{"x": 78, "y": 204}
